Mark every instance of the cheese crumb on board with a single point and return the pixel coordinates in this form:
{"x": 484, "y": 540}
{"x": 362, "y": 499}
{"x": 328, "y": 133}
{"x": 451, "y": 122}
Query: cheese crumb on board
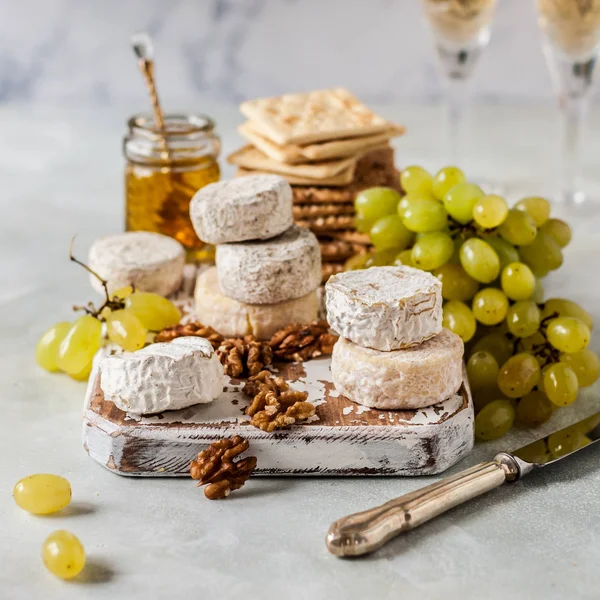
{"x": 152, "y": 262}
{"x": 237, "y": 319}
{"x": 164, "y": 376}
{"x": 410, "y": 378}
{"x": 257, "y": 207}
{"x": 271, "y": 271}
{"x": 385, "y": 308}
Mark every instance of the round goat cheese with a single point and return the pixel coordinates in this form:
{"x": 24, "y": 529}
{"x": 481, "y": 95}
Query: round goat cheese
{"x": 237, "y": 319}
{"x": 257, "y": 207}
{"x": 270, "y": 271}
{"x": 410, "y": 378}
{"x": 165, "y": 376}
{"x": 150, "y": 261}
{"x": 385, "y": 308}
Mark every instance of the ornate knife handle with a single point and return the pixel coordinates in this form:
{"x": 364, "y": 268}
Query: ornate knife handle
{"x": 367, "y": 531}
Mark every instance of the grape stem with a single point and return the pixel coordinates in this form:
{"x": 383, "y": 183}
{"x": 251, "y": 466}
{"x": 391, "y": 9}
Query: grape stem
{"x": 112, "y": 304}
{"x": 544, "y": 349}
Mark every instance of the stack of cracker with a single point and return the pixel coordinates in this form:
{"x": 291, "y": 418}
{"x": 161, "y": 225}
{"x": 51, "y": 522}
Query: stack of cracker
{"x": 329, "y": 146}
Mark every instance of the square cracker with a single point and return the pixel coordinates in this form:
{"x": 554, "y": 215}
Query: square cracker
{"x": 250, "y": 157}
{"x": 340, "y": 180}
{"x": 296, "y": 154}
{"x": 312, "y": 117}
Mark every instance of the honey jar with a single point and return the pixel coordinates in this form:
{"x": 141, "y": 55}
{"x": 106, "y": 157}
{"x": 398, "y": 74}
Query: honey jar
{"x": 164, "y": 169}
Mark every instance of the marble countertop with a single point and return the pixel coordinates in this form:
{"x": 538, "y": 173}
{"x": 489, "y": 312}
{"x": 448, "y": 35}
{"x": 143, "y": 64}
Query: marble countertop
{"x": 60, "y": 175}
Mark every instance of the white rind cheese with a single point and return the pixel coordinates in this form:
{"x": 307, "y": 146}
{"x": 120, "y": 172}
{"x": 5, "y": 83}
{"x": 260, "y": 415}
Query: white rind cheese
{"x": 237, "y": 319}
{"x": 150, "y": 261}
{"x": 385, "y": 308}
{"x": 160, "y": 377}
{"x": 256, "y": 207}
{"x": 401, "y": 379}
{"x": 271, "y": 271}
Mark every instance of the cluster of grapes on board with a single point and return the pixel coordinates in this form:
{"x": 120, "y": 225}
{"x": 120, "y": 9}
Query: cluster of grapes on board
{"x": 127, "y": 318}
{"x": 526, "y": 357}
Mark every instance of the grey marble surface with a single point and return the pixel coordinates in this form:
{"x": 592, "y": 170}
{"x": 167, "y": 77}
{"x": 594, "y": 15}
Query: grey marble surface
{"x": 61, "y": 174}
{"x": 59, "y": 52}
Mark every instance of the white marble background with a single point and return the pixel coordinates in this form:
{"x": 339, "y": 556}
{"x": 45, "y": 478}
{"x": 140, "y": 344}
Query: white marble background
{"x": 76, "y": 52}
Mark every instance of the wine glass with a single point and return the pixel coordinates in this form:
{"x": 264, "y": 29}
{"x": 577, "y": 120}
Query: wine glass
{"x": 461, "y": 31}
{"x": 571, "y": 33}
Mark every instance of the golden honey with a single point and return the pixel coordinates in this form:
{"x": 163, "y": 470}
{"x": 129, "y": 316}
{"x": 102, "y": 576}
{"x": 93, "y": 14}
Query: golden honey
{"x": 164, "y": 170}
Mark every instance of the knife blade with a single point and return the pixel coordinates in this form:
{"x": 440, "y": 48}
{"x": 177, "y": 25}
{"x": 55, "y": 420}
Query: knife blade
{"x": 364, "y": 532}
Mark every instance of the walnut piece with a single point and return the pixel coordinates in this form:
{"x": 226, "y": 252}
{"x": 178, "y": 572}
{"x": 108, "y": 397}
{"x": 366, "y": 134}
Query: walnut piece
{"x": 302, "y": 342}
{"x": 190, "y": 329}
{"x": 274, "y": 405}
{"x": 245, "y": 356}
{"x": 215, "y": 466}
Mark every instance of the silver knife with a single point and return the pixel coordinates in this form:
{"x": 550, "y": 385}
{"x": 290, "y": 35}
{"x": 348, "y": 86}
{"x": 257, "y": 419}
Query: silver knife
{"x": 367, "y": 531}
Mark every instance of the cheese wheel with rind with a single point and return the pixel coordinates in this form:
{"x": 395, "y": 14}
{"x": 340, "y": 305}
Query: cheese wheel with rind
{"x": 164, "y": 376}
{"x": 385, "y": 308}
{"x": 152, "y": 262}
{"x": 270, "y": 271}
{"x": 257, "y": 207}
{"x": 237, "y": 319}
{"x": 410, "y": 378}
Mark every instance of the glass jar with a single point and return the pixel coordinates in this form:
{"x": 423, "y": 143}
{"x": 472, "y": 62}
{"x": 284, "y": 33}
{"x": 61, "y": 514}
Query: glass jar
{"x": 164, "y": 170}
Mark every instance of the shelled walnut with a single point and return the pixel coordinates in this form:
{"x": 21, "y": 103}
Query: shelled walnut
{"x": 215, "y": 466}
{"x": 302, "y": 342}
{"x": 245, "y": 356}
{"x": 274, "y": 405}
{"x": 190, "y": 329}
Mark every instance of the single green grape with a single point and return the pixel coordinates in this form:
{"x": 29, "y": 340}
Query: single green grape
{"x": 84, "y": 374}
{"x": 490, "y": 211}
{"x": 42, "y": 494}
{"x": 390, "y": 232}
{"x": 361, "y": 224}
{"x": 416, "y": 180}
{"x": 63, "y": 554}
{"x": 404, "y": 258}
{"x": 519, "y": 375}
{"x": 490, "y": 306}
{"x": 79, "y": 345}
{"x": 558, "y": 230}
{"x": 537, "y": 207}
{"x": 126, "y": 330}
{"x": 479, "y": 260}
{"x": 565, "y": 441}
{"x": 523, "y": 318}
{"x": 376, "y": 202}
{"x": 456, "y": 284}
{"x": 425, "y": 216}
{"x": 458, "y": 318}
{"x": 153, "y": 311}
{"x": 381, "y": 258}
{"x": 497, "y": 344}
{"x": 518, "y": 228}
{"x": 543, "y": 254}
{"x": 585, "y": 365}
{"x": 534, "y": 409}
{"x": 460, "y": 200}
{"x": 536, "y": 452}
{"x": 432, "y": 251}
{"x": 538, "y": 292}
{"x": 357, "y": 262}
{"x": 445, "y": 179}
{"x": 482, "y": 371}
{"x": 560, "y": 384}
{"x": 560, "y": 307}
{"x": 494, "y": 420}
{"x": 568, "y": 334}
{"x": 506, "y": 252}
{"x": 46, "y": 350}
{"x": 518, "y": 282}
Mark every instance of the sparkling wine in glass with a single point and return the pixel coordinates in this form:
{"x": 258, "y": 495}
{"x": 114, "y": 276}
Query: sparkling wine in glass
{"x": 461, "y": 31}
{"x": 571, "y": 32}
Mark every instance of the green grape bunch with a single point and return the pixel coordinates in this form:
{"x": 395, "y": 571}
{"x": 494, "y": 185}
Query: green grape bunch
{"x": 526, "y": 356}
{"x": 125, "y": 318}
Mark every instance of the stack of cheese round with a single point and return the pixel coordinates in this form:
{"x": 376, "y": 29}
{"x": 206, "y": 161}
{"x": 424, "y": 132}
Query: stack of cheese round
{"x": 267, "y": 269}
{"x": 393, "y": 352}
